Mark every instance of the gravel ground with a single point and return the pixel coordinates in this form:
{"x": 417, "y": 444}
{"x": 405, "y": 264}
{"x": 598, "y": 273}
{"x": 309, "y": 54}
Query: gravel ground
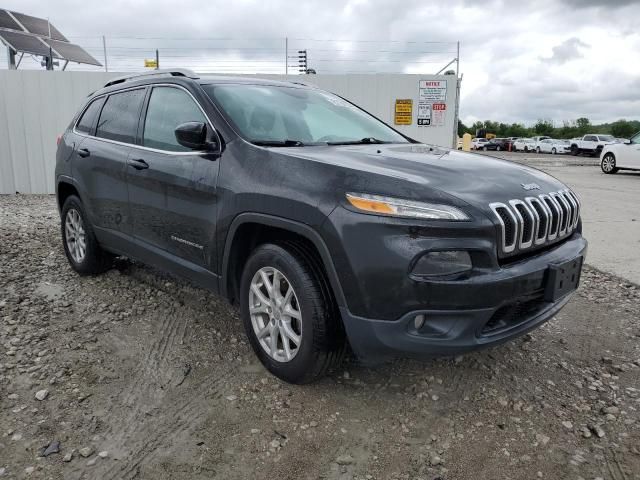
{"x": 140, "y": 375}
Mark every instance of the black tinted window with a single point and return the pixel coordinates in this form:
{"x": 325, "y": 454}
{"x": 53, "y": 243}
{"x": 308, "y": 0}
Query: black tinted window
{"x": 168, "y": 108}
{"x": 119, "y": 117}
{"x": 88, "y": 119}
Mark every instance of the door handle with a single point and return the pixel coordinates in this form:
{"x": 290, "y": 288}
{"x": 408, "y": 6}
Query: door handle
{"x": 84, "y": 152}
{"x": 138, "y": 163}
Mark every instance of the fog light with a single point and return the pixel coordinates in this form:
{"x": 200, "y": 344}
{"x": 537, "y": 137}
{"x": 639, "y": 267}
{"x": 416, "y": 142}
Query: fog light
{"x": 418, "y": 321}
{"x": 443, "y": 263}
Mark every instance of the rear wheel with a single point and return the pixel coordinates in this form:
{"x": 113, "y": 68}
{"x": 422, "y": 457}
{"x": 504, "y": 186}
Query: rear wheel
{"x": 608, "y": 164}
{"x": 554, "y": 151}
{"x": 485, "y": 149}
{"x": 289, "y": 314}
{"x": 80, "y": 244}
{"x": 574, "y": 150}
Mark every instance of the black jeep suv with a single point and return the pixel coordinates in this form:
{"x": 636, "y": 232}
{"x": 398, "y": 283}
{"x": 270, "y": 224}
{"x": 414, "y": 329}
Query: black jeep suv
{"x": 321, "y": 222}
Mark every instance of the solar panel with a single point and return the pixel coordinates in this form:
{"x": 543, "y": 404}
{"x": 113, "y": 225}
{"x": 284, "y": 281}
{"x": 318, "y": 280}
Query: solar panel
{"x": 23, "y": 42}
{"x": 7, "y": 22}
{"x": 71, "y": 52}
{"x": 39, "y": 26}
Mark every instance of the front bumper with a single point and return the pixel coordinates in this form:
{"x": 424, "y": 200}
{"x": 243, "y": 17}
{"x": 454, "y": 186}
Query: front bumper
{"x": 517, "y": 305}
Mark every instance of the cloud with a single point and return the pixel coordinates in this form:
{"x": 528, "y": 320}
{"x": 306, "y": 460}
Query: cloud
{"x": 608, "y": 4}
{"x": 567, "y": 51}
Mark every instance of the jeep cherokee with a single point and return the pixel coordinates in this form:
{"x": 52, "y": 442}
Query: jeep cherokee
{"x": 325, "y": 225}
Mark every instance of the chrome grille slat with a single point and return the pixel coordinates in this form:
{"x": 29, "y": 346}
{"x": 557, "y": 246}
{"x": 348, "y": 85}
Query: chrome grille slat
{"x": 535, "y": 221}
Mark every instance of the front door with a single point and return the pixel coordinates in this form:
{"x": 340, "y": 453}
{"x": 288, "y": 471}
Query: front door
{"x": 172, "y": 190}
{"x": 628, "y": 155}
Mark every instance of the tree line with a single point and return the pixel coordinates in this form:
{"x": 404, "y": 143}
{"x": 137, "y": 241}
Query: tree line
{"x": 568, "y": 129}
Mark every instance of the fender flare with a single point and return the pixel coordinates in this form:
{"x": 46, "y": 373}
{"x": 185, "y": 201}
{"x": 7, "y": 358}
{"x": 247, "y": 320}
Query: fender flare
{"x": 299, "y": 228}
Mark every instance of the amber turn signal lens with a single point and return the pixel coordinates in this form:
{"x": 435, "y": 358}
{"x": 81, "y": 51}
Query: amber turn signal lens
{"x": 367, "y": 205}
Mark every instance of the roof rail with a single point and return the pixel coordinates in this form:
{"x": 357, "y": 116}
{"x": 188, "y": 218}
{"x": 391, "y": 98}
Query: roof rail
{"x": 175, "y": 72}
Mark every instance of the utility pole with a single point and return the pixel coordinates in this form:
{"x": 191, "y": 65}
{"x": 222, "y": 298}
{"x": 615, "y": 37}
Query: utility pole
{"x": 302, "y": 61}
{"x": 104, "y": 49}
{"x": 286, "y": 55}
{"x": 458, "y": 61}
{"x": 11, "y": 58}
{"x": 157, "y": 60}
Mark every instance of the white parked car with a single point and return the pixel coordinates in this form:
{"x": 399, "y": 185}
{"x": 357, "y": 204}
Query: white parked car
{"x": 553, "y": 146}
{"x": 478, "y": 143}
{"x": 621, "y": 156}
{"x": 523, "y": 145}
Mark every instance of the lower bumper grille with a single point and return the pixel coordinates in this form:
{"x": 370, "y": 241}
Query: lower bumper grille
{"x": 513, "y": 314}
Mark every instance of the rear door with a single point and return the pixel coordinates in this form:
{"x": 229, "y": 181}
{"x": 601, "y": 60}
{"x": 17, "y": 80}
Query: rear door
{"x": 172, "y": 190}
{"x": 99, "y": 166}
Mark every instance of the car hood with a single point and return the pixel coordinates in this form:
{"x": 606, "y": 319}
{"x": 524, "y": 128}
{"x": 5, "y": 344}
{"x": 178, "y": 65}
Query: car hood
{"x": 472, "y": 178}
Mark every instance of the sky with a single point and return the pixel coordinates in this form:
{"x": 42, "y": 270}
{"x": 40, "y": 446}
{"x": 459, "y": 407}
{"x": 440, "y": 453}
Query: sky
{"x": 521, "y": 60}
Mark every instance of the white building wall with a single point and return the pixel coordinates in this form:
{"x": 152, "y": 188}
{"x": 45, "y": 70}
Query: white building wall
{"x": 37, "y": 106}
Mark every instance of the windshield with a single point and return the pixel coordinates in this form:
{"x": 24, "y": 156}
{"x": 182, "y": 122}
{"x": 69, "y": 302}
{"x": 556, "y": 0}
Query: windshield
{"x": 289, "y": 116}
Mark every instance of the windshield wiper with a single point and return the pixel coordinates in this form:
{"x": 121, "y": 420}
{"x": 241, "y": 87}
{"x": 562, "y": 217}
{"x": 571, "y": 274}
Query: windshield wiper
{"x": 278, "y": 143}
{"x": 362, "y": 141}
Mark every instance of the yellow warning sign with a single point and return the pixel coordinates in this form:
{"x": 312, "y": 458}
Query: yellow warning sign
{"x": 404, "y": 111}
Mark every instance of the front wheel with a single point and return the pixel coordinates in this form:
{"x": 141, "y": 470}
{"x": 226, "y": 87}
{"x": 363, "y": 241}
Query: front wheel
{"x": 538, "y": 150}
{"x": 574, "y": 150}
{"x": 289, "y": 313}
{"x": 554, "y": 151}
{"x": 80, "y": 244}
{"x": 485, "y": 149}
{"x": 608, "y": 164}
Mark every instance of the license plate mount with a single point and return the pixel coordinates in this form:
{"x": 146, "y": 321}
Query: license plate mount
{"x": 562, "y": 279}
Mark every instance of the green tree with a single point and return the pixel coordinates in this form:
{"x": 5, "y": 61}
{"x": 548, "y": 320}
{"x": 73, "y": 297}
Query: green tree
{"x": 623, "y": 128}
{"x": 462, "y": 129}
{"x": 583, "y": 125}
{"x": 544, "y": 127}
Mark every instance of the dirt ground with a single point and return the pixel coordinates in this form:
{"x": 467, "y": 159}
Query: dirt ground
{"x": 142, "y": 376}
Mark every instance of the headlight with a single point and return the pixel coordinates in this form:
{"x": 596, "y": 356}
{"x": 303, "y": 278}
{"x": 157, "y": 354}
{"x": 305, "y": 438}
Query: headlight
{"x": 397, "y": 207}
{"x": 443, "y": 263}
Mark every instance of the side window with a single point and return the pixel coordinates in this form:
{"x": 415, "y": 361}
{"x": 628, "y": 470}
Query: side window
{"x": 88, "y": 120}
{"x": 590, "y": 138}
{"x": 119, "y": 117}
{"x": 168, "y": 108}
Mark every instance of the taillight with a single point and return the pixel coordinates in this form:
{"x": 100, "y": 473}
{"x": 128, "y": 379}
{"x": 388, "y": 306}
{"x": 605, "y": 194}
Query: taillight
{"x": 58, "y": 139}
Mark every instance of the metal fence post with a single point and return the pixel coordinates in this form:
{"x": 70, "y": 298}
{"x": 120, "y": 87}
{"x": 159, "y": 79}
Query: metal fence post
{"x": 104, "y": 49}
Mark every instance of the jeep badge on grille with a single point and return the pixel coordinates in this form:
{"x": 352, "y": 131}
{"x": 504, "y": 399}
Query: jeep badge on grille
{"x": 530, "y": 186}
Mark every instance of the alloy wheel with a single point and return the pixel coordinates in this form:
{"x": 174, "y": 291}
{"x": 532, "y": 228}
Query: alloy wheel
{"x": 75, "y": 235}
{"x": 275, "y": 314}
{"x": 608, "y": 163}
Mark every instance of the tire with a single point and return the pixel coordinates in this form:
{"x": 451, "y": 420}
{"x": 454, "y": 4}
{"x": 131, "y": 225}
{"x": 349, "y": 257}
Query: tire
{"x": 554, "y": 151}
{"x": 597, "y": 152}
{"x": 498, "y": 149}
{"x": 318, "y": 327}
{"x": 485, "y": 149}
{"x": 77, "y": 232}
{"x": 526, "y": 149}
{"x": 608, "y": 164}
{"x": 574, "y": 150}
{"x": 538, "y": 151}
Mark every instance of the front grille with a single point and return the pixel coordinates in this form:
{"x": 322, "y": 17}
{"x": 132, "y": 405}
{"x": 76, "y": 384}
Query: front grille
{"x": 536, "y": 221}
{"x": 513, "y": 314}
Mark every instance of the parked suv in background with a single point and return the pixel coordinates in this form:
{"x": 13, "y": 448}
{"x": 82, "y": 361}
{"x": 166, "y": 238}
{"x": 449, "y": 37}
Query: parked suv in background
{"x": 321, "y": 222}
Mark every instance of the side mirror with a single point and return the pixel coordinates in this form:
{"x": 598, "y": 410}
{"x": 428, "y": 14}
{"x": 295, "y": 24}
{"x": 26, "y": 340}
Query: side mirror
{"x": 627, "y": 142}
{"x": 193, "y": 135}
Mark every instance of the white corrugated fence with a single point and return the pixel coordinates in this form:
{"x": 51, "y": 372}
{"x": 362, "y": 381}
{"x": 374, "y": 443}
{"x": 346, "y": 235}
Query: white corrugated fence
{"x": 37, "y": 106}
